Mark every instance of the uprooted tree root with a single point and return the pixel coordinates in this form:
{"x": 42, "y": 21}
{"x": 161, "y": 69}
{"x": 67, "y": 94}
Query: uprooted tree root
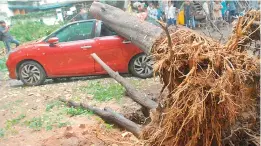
{"x": 213, "y": 89}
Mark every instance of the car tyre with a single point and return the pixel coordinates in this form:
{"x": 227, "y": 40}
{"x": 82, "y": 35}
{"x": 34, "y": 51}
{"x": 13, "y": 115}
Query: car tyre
{"x": 141, "y": 66}
{"x": 31, "y": 73}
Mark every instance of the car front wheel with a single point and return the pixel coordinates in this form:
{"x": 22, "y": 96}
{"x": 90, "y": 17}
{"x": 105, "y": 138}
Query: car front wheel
{"x": 31, "y": 73}
{"x": 141, "y": 66}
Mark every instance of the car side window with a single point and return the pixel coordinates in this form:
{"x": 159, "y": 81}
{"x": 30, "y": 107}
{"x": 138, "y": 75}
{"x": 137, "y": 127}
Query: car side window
{"x": 75, "y": 32}
{"x": 106, "y": 31}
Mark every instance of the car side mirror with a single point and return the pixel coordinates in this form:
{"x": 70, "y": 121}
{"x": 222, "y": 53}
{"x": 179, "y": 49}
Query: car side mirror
{"x": 52, "y": 41}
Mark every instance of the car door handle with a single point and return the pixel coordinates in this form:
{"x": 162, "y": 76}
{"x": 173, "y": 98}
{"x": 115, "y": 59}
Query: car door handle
{"x": 126, "y": 42}
{"x": 86, "y": 47}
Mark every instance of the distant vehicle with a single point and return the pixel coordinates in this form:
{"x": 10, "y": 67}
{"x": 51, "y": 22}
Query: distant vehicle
{"x": 66, "y": 53}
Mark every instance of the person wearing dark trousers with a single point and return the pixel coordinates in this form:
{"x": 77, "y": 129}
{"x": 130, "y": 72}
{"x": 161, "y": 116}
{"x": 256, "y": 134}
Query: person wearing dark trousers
{"x": 231, "y": 9}
{"x": 6, "y": 36}
{"x": 189, "y": 14}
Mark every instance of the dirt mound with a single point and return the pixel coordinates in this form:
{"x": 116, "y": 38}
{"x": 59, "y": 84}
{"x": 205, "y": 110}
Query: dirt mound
{"x": 87, "y": 135}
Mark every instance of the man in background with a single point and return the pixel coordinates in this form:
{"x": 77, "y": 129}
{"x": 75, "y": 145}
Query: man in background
{"x": 189, "y": 14}
{"x": 217, "y": 14}
{"x": 6, "y": 36}
{"x": 231, "y": 5}
{"x": 170, "y": 13}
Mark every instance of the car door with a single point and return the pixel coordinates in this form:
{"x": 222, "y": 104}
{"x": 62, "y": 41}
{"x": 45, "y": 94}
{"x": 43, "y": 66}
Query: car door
{"x": 71, "y": 56}
{"x": 109, "y": 50}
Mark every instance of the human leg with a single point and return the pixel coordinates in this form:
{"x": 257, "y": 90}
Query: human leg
{"x": 16, "y": 42}
{"x": 7, "y": 46}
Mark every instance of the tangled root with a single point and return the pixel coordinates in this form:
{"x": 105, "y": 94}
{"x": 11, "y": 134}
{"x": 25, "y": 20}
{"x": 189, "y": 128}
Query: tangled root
{"x": 213, "y": 89}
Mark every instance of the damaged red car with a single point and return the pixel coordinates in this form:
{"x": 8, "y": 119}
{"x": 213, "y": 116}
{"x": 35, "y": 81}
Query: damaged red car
{"x": 67, "y": 53}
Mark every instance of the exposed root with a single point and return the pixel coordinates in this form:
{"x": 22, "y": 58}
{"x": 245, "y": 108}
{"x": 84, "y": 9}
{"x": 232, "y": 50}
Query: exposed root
{"x": 211, "y": 86}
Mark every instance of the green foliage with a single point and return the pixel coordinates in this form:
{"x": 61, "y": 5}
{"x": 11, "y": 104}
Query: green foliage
{"x": 2, "y": 132}
{"x": 2, "y": 65}
{"x": 77, "y": 111}
{"x": 36, "y": 123}
{"x": 30, "y": 31}
{"x": 108, "y": 126}
{"x": 53, "y": 104}
{"x": 34, "y": 15}
{"x": 47, "y": 121}
{"x": 11, "y": 123}
{"x": 105, "y": 91}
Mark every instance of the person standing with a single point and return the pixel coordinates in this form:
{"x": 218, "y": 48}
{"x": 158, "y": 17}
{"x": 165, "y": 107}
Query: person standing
{"x": 159, "y": 13}
{"x": 231, "y": 9}
{"x": 205, "y": 7}
{"x": 217, "y": 14}
{"x": 170, "y": 12}
{"x": 224, "y": 9}
{"x": 6, "y": 36}
{"x": 189, "y": 14}
{"x": 152, "y": 13}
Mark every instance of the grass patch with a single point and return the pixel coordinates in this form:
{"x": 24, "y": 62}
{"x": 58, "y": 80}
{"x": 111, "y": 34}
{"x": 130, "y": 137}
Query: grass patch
{"x": 2, "y": 65}
{"x": 104, "y": 91}
{"x": 11, "y": 123}
{"x": 48, "y": 122}
{"x": 77, "y": 111}
{"x": 53, "y": 104}
{"x": 2, "y": 132}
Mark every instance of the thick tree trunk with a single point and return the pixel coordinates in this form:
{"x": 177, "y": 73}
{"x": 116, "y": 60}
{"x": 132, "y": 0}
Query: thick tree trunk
{"x": 141, "y": 33}
{"x": 133, "y": 93}
{"x": 108, "y": 115}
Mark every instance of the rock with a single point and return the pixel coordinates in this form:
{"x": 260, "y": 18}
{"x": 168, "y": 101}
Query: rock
{"x": 69, "y": 134}
{"x": 85, "y": 132}
{"x": 125, "y": 134}
{"x": 68, "y": 128}
{"x": 82, "y": 126}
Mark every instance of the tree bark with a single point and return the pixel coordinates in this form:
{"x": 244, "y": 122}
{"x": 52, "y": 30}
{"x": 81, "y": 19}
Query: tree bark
{"x": 141, "y": 33}
{"x": 133, "y": 93}
{"x": 108, "y": 115}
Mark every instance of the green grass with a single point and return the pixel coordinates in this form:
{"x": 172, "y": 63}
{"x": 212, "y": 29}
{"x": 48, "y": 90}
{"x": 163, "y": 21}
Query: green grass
{"x": 104, "y": 91}
{"x": 2, "y": 65}
{"x": 47, "y": 122}
{"x": 53, "y": 104}
{"x": 10, "y": 123}
{"x": 2, "y": 132}
{"x": 77, "y": 111}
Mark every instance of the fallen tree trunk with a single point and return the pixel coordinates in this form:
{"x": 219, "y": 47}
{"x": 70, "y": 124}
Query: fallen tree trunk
{"x": 140, "y": 33}
{"x": 108, "y": 115}
{"x": 133, "y": 93}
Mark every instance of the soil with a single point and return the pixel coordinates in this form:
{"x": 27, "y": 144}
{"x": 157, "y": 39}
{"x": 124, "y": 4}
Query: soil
{"x": 16, "y": 99}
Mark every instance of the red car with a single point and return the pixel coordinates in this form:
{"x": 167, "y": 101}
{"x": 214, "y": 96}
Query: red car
{"x": 66, "y": 53}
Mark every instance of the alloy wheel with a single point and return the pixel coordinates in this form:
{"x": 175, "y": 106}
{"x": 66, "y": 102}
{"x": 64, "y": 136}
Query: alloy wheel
{"x": 30, "y": 74}
{"x": 143, "y": 65}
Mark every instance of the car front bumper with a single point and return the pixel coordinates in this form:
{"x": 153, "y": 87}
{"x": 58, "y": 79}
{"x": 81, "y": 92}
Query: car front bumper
{"x": 11, "y": 69}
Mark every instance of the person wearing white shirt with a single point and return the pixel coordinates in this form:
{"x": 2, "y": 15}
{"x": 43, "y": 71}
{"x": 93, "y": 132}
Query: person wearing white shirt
{"x": 205, "y": 7}
{"x": 170, "y": 12}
